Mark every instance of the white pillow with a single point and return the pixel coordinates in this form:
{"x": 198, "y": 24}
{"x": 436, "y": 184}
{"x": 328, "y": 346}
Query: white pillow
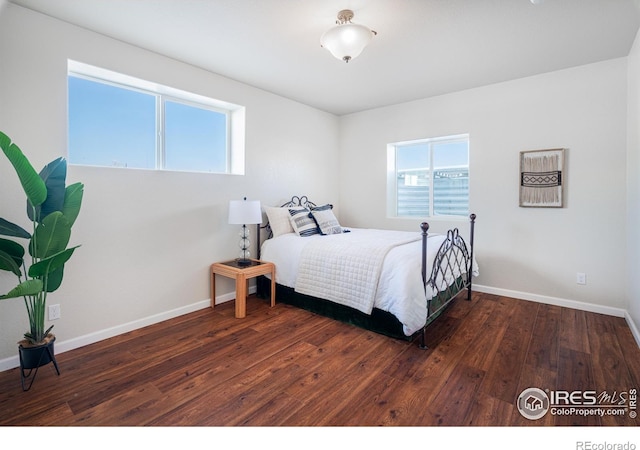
{"x": 278, "y": 220}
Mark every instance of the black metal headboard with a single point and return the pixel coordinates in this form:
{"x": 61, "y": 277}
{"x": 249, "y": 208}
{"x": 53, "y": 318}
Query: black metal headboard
{"x": 302, "y": 200}
{"x": 299, "y": 201}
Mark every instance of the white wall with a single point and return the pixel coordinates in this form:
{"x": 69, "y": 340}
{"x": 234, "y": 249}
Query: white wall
{"x": 531, "y": 253}
{"x": 633, "y": 182}
{"x": 147, "y": 237}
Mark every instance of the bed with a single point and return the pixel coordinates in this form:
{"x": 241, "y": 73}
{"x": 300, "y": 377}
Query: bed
{"x": 392, "y": 282}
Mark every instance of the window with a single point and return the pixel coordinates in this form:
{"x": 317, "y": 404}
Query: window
{"x": 121, "y": 121}
{"x": 428, "y": 177}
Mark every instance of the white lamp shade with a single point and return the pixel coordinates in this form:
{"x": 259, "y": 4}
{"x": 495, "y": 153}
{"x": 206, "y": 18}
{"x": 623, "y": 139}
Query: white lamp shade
{"x": 243, "y": 212}
{"x": 346, "y": 41}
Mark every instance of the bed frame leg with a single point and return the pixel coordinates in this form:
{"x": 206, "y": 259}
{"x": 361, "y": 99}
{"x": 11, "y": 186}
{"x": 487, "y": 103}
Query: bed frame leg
{"x": 424, "y": 226}
{"x": 423, "y": 339}
{"x": 472, "y": 220}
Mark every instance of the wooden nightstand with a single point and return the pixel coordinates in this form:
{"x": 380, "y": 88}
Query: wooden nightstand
{"x": 242, "y": 274}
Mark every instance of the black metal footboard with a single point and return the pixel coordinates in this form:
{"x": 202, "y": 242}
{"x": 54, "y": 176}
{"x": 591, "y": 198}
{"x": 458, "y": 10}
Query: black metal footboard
{"x": 451, "y": 273}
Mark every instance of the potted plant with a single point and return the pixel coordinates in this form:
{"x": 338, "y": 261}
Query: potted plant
{"x": 52, "y": 208}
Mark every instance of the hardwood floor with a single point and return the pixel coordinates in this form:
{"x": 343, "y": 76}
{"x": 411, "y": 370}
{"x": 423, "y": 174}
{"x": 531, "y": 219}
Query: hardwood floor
{"x": 283, "y": 366}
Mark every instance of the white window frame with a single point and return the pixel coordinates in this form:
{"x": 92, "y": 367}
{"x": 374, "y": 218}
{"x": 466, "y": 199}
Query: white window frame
{"x": 392, "y": 176}
{"x": 235, "y": 114}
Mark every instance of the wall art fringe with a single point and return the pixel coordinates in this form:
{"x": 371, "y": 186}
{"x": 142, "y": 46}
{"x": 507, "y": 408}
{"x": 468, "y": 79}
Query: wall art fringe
{"x": 541, "y": 178}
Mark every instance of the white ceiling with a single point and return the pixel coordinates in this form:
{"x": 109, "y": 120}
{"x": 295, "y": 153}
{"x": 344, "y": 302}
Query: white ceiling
{"x": 423, "y": 47}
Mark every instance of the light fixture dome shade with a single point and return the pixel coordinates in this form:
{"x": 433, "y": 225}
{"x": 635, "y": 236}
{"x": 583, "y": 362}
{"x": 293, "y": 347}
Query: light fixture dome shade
{"x": 346, "y": 41}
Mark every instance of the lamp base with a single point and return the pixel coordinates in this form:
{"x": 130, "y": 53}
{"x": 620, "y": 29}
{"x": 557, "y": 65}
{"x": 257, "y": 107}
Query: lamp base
{"x": 242, "y": 262}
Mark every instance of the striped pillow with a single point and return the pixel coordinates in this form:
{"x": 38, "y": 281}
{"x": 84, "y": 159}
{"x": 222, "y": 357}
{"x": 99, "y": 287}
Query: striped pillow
{"x": 303, "y": 222}
{"x": 326, "y": 220}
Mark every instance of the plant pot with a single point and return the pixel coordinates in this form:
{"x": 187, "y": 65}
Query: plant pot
{"x": 35, "y": 356}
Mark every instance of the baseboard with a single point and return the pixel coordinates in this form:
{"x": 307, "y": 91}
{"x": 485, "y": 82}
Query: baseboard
{"x": 633, "y": 327}
{"x": 590, "y": 307}
{"x": 81, "y": 341}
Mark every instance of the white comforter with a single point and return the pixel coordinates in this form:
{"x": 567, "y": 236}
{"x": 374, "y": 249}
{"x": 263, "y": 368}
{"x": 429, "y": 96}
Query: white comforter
{"x": 346, "y": 270}
{"x": 399, "y": 288}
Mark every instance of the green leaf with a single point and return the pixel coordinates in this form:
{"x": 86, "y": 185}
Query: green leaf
{"x": 11, "y": 229}
{"x": 29, "y": 287}
{"x": 5, "y": 141}
{"x": 54, "y": 280}
{"x": 73, "y": 201}
{"x": 54, "y": 175}
{"x": 51, "y": 236}
{"x": 8, "y": 262}
{"x": 13, "y": 248}
{"x": 34, "y": 187}
{"x": 11, "y": 254}
{"x": 48, "y": 265}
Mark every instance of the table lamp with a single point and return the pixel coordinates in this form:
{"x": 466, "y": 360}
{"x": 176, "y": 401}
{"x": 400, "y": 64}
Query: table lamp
{"x": 244, "y": 212}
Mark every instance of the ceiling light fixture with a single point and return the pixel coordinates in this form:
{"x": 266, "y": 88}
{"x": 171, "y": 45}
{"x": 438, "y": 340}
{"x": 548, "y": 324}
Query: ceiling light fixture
{"x": 346, "y": 40}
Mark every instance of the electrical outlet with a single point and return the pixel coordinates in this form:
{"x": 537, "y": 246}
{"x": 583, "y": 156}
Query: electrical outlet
{"x": 54, "y": 312}
{"x": 581, "y": 278}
